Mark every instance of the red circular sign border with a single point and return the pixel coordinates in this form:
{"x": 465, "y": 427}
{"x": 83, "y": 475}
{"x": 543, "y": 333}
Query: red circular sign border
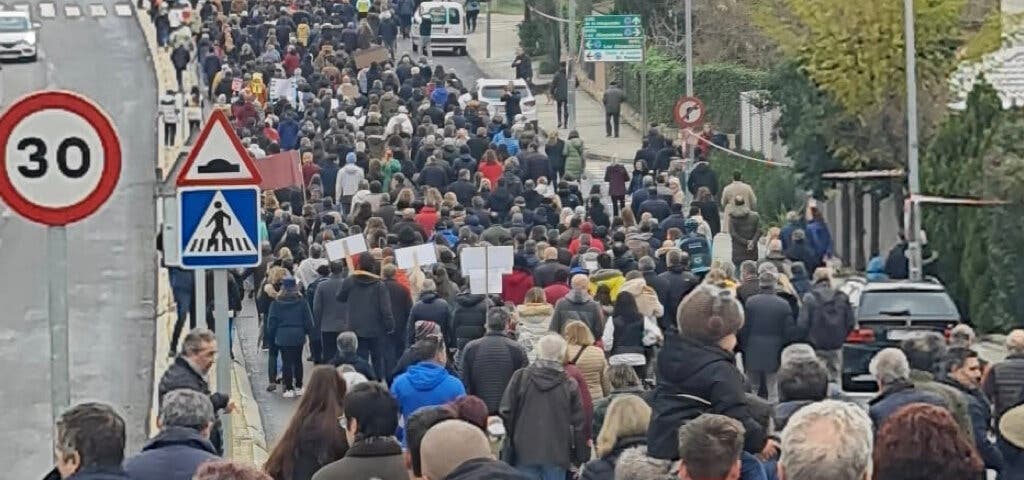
{"x": 99, "y": 121}
{"x": 679, "y": 120}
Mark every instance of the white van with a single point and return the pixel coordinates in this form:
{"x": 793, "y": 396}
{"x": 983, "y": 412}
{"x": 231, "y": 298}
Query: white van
{"x": 449, "y": 31}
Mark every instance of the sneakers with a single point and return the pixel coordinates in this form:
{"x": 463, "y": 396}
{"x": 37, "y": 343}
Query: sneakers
{"x": 289, "y": 394}
{"x": 271, "y": 387}
{"x": 298, "y": 392}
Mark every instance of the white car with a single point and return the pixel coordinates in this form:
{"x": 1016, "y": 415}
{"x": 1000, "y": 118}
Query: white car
{"x": 448, "y": 31}
{"x": 490, "y": 90}
{"x": 17, "y": 36}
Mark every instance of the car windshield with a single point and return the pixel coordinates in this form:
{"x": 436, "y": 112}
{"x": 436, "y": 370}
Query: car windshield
{"x": 906, "y": 303}
{"x": 496, "y": 91}
{"x": 14, "y": 24}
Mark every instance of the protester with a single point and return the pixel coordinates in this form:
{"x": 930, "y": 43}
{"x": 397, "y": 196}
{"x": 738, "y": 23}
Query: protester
{"x": 186, "y": 418}
{"x": 1011, "y": 442}
{"x": 923, "y": 442}
{"x": 963, "y": 372}
{"x": 488, "y": 363}
{"x": 924, "y": 355}
{"x": 427, "y": 382}
{"x": 457, "y": 450}
{"x": 710, "y": 447}
{"x": 624, "y": 427}
{"x": 371, "y": 418}
{"x": 1004, "y": 383}
{"x": 588, "y": 358}
{"x": 189, "y": 371}
{"x": 828, "y": 439}
{"x": 89, "y": 444}
{"x": 627, "y": 332}
{"x": 801, "y": 381}
{"x": 370, "y": 316}
{"x": 347, "y": 346}
{"x": 534, "y": 318}
{"x": 578, "y": 304}
{"x": 892, "y": 372}
{"x": 826, "y": 319}
{"x": 768, "y": 326}
{"x": 289, "y": 322}
{"x": 544, "y": 415}
{"x": 312, "y": 438}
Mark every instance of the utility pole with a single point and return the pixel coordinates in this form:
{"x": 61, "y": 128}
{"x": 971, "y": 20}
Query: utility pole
{"x": 488, "y": 28}
{"x": 571, "y": 64}
{"x": 913, "y": 167}
{"x": 689, "y": 71}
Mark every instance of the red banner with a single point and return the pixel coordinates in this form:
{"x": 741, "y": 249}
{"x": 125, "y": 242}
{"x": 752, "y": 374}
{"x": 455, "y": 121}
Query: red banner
{"x": 280, "y": 170}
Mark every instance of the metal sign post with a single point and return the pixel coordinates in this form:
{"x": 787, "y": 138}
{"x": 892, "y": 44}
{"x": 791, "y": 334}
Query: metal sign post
{"x": 60, "y": 160}
{"x": 200, "y": 298}
{"x": 488, "y": 29}
{"x": 220, "y": 315}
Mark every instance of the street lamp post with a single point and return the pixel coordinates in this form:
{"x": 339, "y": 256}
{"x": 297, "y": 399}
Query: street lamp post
{"x": 913, "y": 226}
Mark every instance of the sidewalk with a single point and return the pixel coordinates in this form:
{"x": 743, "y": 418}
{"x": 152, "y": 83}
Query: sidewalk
{"x": 589, "y": 111}
{"x": 247, "y": 439}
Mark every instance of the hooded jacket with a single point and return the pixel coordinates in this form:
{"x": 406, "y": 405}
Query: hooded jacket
{"x": 515, "y": 285}
{"x": 173, "y": 454}
{"x": 430, "y": 307}
{"x": 534, "y": 322}
{"x": 574, "y": 157}
{"x": 425, "y": 384}
{"x": 680, "y": 283}
{"x": 693, "y": 379}
{"x": 544, "y": 417}
{"x": 469, "y": 317}
{"x": 646, "y": 298}
{"x": 289, "y": 321}
{"x": 349, "y": 176}
{"x": 578, "y": 305}
{"x": 612, "y": 277}
{"x": 486, "y": 469}
{"x": 370, "y": 314}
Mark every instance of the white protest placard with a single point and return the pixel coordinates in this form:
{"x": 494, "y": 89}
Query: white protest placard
{"x": 418, "y": 256}
{"x": 282, "y": 88}
{"x": 485, "y": 266}
{"x": 346, "y": 247}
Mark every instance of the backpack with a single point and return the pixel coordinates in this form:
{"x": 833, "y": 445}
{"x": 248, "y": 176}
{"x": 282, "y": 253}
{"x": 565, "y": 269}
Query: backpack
{"x": 700, "y": 253}
{"x": 828, "y": 327}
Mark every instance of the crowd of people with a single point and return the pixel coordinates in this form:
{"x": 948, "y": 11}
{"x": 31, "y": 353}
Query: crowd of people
{"x": 611, "y": 351}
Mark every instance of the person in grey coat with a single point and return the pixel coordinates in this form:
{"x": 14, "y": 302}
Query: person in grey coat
{"x": 612, "y": 100}
{"x": 329, "y": 312}
{"x": 487, "y": 363}
{"x": 186, "y": 419}
{"x": 769, "y": 320}
{"x": 578, "y": 305}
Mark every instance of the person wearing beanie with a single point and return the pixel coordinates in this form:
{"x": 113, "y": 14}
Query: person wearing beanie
{"x": 289, "y": 322}
{"x": 697, "y": 372}
{"x": 769, "y": 323}
{"x": 432, "y": 308}
{"x": 458, "y": 450}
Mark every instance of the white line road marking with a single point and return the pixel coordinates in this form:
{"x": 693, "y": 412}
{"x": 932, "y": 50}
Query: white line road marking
{"x": 72, "y": 11}
{"x": 47, "y": 10}
{"x": 97, "y": 10}
{"x": 22, "y": 7}
{"x": 123, "y": 10}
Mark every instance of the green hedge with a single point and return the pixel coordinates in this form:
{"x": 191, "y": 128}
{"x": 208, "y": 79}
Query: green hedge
{"x": 718, "y": 85}
{"x": 775, "y": 186}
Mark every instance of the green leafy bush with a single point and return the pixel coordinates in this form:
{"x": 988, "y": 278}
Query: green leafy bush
{"x": 547, "y": 67}
{"x": 775, "y": 186}
{"x": 533, "y": 37}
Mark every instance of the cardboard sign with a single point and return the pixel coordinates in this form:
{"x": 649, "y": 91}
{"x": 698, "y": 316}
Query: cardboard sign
{"x": 345, "y": 248}
{"x": 418, "y": 256}
{"x": 366, "y": 56}
{"x": 484, "y": 266}
{"x": 283, "y": 88}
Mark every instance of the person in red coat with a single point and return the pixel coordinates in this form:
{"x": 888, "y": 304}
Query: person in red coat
{"x": 554, "y": 292}
{"x": 587, "y": 229}
{"x": 491, "y": 168}
{"x": 515, "y": 285}
{"x": 427, "y": 218}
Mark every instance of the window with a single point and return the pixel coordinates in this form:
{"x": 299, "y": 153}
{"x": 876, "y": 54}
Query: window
{"x": 906, "y": 303}
{"x": 14, "y": 24}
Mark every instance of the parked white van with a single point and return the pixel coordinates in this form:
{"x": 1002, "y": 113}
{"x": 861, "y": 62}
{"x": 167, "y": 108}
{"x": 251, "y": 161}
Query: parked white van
{"x": 449, "y": 31}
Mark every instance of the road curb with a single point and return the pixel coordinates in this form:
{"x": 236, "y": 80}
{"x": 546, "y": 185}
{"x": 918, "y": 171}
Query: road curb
{"x": 250, "y": 439}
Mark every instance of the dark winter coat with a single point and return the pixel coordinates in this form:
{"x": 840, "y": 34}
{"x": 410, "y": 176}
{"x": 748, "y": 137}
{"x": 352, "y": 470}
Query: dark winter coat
{"x": 547, "y": 272}
{"x": 560, "y": 86}
{"x": 173, "y": 454}
{"x": 370, "y": 313}
{"x": 181, "y": 375}
{"x": 1013, "y": 461}
{"x": 430, "y": 307}
{"x": 289, "y": 321}
{"x": 469, "y": 318}
{"x": 801, "y": 251}
{"x": 379, "y": 458}
{"x": 92, "y": 473}
{"x": 744, "y": 227}
{"x": 709, "y": 211}
{"x": 980, "y": 411}
{"x": 702, "y": 176}
{"x": 897, "y": 396}
{"x": 487, "y": 366}
{"x": 401, "y": 307}
{"x": 785, "y": 410}
{"x": 544, "y": 418}
{"x": 680, "y": 282}
{"x": 463, "y": 191}
{"x": 556, "y": 155}
{"x": 657, "y": 206}
{"x": 696, "y": 378}
{"x": 535, "y": 165}
{"x": 359, "y": 363}
{"x": 578, "y": 305}
{"x": 1005, "y": 383}
{"x": 434, "y": 175}
{"x": 604, "y": 468}
{"x": 486, "y": 469}
{"x": 328, "y": 312}
{"x": 768, "y": 322}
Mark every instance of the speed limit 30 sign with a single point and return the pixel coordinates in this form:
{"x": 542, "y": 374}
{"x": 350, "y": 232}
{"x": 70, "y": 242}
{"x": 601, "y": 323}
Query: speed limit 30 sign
{"x": 60, "y": 157}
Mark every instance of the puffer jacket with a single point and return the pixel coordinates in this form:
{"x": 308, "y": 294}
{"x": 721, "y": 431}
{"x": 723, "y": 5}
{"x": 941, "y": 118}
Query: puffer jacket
{"x": 487, "y": 365}
{"x": 646, "y": 298}
{"x": 574, "y": 157}
{"x": 593, "y": 366}
{"x": 607, "y": 276}
{"x": 693, "y": 379}
{"x": 289, "y": 321}
{"x": 469, "y": 318}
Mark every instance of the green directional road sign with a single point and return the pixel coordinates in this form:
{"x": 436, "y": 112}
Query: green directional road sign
{"x": 613, "y": 38}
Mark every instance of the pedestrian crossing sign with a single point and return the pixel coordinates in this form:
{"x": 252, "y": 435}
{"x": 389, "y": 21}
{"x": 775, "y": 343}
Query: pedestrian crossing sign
{"x": 218, "y": 227}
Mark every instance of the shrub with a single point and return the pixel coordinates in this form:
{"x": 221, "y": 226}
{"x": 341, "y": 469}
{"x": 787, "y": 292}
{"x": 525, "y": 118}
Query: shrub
{"x": 775, "y": 186}
{"x": 547, "y": 67}
{"x": 533, "y": 37}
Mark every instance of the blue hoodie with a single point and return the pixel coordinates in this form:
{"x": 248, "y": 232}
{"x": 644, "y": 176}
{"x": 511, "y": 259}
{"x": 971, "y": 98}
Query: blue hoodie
{"x": 425, "y": 384}
{"x": 288, "y": 130}
{"x": 876, "y": 270}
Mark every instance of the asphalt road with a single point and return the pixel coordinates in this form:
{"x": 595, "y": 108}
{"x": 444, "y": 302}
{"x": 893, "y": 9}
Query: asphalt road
{"x": 112, "y": 269}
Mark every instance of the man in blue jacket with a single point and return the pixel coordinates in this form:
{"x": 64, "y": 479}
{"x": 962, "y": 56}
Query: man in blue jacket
{"x": 186, "y": 418}
{"x": 426, "y": 383}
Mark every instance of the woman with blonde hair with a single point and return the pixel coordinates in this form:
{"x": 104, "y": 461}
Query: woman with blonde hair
{"x": 534, "y": 320}
{"x": 449, "y": 200}
{"x": 268, "y": 293}
{"x": 588, "y": 358}
{"x": 625, "y": 427}
{"x": 404, "y": 198}
{"x": 433, "y": 198}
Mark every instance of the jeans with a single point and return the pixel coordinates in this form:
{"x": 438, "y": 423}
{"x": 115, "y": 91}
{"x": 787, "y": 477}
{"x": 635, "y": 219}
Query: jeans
{"x": 562, "y": 112}
{"x": 272, "y": 352}
{"x": 471, "y": 20}
{"x": 376, "y": 349}
{"x": 833, "y": 364}
{"x": 185, "y": 309}
{"x": 291, "y": 359}
{"x": 316, "y": 348}
{"x": 611, "y": 123}
{"x": 425, "y": 46}
{"x": 329, "y": 346}
{"x": 764, "y": 384}
{"x": 543, "y": 472}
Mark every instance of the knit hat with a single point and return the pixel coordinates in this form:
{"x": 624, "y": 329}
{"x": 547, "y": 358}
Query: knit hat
{"x": 289, "y": 284}
{"x": 426, "y": 327}
{"x": 1011, "y": 426}
{"x": 709, "y": 314}
{"x": 449, "y": 444}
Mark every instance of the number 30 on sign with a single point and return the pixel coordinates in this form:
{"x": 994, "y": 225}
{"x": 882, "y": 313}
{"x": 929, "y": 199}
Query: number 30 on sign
{"x": 60, "y": 157}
